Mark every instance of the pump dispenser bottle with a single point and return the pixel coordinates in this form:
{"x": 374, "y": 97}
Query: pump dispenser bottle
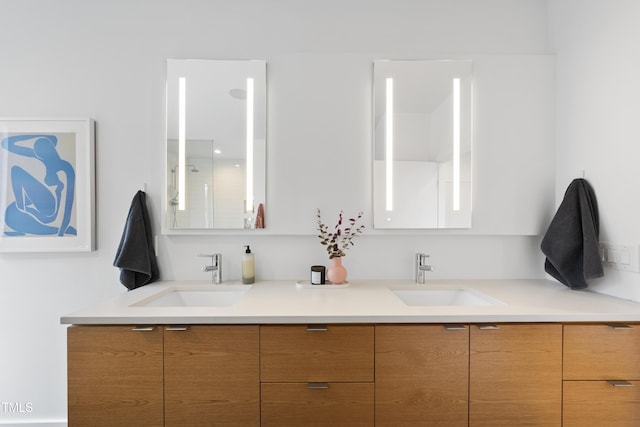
{"x": 248, "y": 267}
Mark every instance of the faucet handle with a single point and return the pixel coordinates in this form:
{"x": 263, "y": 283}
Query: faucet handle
{"x": 215, "y": 258}
{"x": 420, "y": 258}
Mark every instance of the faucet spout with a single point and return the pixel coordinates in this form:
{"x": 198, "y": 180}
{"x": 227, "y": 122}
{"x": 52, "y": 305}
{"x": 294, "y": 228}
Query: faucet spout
{"x": 421, "y": 268}
{"x": 215, "y": 268}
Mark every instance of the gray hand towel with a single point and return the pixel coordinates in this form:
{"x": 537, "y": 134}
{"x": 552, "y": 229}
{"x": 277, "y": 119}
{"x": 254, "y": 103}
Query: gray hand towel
{"x": 571, "y": 242}
{"x": 135, "y": 256}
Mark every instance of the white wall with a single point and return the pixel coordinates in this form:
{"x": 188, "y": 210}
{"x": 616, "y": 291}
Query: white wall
{"x": 598, "y": 103}
{"x": 105, "y": 59}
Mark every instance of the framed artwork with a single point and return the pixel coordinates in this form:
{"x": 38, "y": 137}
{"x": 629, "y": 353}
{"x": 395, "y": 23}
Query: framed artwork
{"x": 47, "y": 192}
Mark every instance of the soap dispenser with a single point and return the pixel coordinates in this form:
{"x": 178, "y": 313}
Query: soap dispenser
{"x": 248, "y": 267}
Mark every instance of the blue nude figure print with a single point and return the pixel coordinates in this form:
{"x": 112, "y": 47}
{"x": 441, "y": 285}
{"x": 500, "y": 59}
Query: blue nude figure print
{"x": 44, "y": 190}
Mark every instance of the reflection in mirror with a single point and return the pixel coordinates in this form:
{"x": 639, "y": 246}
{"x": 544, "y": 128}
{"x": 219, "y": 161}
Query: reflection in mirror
{"x": 422, "y": 144}
{"x": 216, "y": 138}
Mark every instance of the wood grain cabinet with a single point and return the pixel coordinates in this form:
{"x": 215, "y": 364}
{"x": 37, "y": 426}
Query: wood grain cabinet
{"x": 114, "y": 376}
{"x": 355, "y": 375}
{"x": 601, "y": 375}
{"x": 515, "y": 376}
{"x": 211, "y": 375}
{"x": 163, "y": 375}
{"x": 422, "y": 374}
{"x": 476, "y": 375}
{"x": 317, "y": 375}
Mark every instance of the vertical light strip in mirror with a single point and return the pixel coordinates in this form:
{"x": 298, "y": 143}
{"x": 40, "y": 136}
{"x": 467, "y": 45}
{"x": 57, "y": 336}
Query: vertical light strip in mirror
{"x": 249, "y": 173}
{"x": 456, "y": 144}
{"x": 182, "y": 103}
{"x": 207, "y": 208}
{"x": 389, "y": 144}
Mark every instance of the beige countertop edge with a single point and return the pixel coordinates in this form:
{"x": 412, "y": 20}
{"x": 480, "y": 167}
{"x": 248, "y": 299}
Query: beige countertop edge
{"x": 281, "y": 302}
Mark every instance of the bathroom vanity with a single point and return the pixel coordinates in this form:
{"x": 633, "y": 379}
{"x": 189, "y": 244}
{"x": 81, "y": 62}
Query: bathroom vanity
{"x": 524, "y": 352}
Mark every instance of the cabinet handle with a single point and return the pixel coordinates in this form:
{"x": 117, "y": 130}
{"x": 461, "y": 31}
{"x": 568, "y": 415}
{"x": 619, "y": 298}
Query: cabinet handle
{"x": 619, "y": 327}
{"x": 488, "y": 327}
{"x": 455, "y": 327}
{"x": 177, "y": 328}
{"x": 317, "y": 328}
{"x": 143, "y": 328}
{"x": 619, "y": 383}
{"x": 317, "y": 386}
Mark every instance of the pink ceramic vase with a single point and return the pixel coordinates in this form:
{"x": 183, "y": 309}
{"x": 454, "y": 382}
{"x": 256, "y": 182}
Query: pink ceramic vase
{"x": 336, "y": 273}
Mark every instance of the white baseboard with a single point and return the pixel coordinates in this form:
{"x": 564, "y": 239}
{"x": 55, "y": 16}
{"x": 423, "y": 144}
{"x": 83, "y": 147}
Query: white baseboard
{"x": 33, "y": 423}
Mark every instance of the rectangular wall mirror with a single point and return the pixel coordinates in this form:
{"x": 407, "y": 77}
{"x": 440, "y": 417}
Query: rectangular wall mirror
{"x": 422, "y": 144}
{"x": 216, "y": 144}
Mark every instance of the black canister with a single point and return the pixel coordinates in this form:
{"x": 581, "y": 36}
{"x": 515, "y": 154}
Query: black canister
{"x": 318, "y": 275}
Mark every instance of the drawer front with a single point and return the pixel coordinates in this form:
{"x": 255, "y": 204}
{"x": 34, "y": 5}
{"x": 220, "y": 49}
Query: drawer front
{"x": 302, "y": 353}
{"x": 599, "y": 403}
{"x": 114, "y": 375}
{"x": 331, "y": 405}
{"x": 601, "y": 352}
{"x": 211, "y": 372}
{"x": 515, "y": 375}
{"x": 422, "y": 373}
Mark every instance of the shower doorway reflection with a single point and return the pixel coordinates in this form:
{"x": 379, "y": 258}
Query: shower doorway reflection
{"x": 214, "y": 189}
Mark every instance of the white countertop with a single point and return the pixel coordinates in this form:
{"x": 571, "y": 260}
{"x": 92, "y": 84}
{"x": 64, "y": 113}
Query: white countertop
{"x": 364, "y": 302}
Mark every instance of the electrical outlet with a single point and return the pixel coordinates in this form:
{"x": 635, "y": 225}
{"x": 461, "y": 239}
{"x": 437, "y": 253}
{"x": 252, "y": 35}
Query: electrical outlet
{"x": 620, "y": 257}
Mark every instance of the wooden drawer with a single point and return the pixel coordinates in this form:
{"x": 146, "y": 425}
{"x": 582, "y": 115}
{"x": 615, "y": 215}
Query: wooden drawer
{"x": 599, "y": 403}
{"x": 302, "y": 353}
{"x": 115, "y": 375}
{"x": 601, "y": 352}
{"x": 515, "y": 375}
{"x": 211, "y": 372}
{"x": 422, "y": 373}
{"x": 296, "y": 404}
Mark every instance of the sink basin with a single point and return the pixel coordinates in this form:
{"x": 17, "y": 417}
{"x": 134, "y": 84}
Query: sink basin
{"x": 213, "y": 296}
{"x": 444, "y": 297}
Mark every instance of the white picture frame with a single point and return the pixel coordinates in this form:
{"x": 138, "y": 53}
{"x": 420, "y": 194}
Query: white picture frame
{"x": 47, "y": 185}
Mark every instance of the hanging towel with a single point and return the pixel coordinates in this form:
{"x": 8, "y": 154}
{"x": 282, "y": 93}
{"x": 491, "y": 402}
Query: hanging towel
{"x": 135, "y": 256}
{"x": 571, "y": 242}
{"x": 260, "y": 216}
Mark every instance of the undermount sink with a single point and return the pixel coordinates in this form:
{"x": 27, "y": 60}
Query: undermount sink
{"x": 444, "y": 297}
{"x": 211, "y": 296}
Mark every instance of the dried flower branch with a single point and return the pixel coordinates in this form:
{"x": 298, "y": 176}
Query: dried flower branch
{"x": 338, "y": 241}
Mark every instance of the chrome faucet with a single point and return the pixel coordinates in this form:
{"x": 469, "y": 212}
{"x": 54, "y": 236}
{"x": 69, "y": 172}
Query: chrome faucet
{"x": 421, "y": 268}
{"x": 215, "y": 268}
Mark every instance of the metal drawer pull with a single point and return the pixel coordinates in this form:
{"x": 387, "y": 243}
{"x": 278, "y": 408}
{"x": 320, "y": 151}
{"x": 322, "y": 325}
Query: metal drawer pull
{"x": 143, "y": 328}
{"x": 618, "y": 327}
{"x": 488, "y": 327}
{"x": 177, "y": 328}
{"x": 619, "y": 383}
{"x": 317, "y": 328}
{"x": 317, "y": 386}
{"x": 455, "y": 327}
